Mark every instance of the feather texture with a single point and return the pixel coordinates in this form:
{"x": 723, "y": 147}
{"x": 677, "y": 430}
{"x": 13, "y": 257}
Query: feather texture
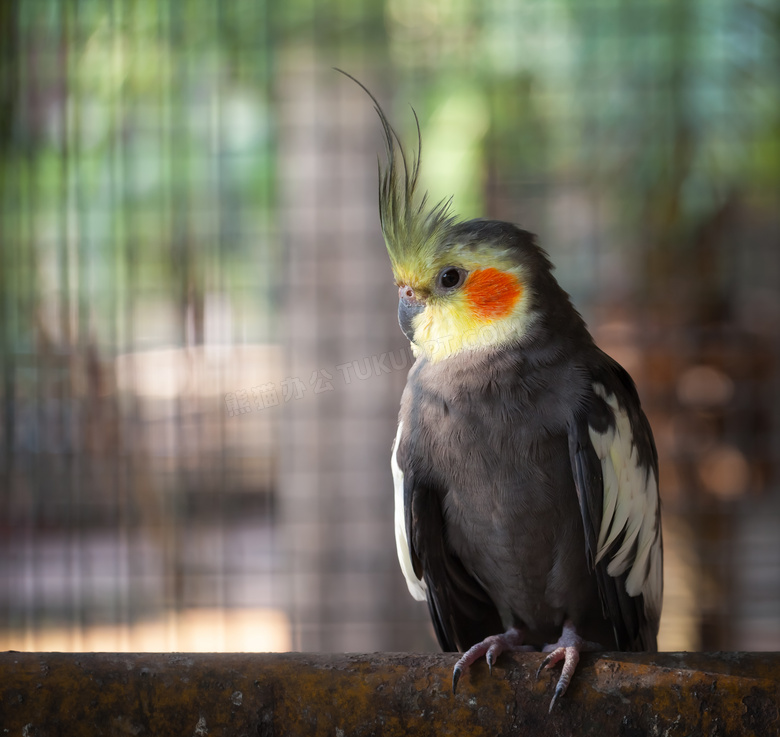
{"x": 616, "y": 470}
{"x": 417, "y": 588}
{"x": 629, "y": 534}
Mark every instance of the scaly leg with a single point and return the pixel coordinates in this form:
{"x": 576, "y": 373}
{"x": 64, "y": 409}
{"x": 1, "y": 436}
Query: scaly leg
{"x": 491, "y": 647}
{"x": 568, "y": 649}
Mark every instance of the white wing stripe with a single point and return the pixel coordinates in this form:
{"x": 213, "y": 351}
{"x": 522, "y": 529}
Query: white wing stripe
{"x": 630, "y": 509}
{"x": 611, "y": 489}
{"x": 417, "y": 588}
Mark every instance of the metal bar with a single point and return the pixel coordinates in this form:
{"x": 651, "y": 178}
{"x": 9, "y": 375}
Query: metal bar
{"x": 385, "y": 694}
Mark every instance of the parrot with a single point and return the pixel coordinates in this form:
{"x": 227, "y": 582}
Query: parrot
{"x": 525, "y": 472}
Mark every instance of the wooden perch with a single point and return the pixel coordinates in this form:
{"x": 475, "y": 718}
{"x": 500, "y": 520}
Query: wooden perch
{"x": 627, "y": 694}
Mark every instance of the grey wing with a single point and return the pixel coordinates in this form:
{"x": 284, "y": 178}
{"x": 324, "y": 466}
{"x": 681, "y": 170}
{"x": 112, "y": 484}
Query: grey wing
{"x": 461, "y": 611}
{"x": 615, "y": 468}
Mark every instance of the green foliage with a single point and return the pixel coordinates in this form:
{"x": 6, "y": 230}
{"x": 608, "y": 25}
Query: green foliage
{"x": 143, "y": 161}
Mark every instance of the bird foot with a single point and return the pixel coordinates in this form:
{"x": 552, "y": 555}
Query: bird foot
{"x": 491, "y": 647}
{"x": 568, "y": 649}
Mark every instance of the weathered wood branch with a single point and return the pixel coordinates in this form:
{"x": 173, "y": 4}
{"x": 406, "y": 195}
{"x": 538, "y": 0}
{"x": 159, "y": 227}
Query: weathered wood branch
{"x": 627, "y": 694}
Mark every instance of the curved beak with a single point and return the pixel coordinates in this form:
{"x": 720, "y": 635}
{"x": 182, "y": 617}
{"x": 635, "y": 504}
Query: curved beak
{"x": 409, "y": 305}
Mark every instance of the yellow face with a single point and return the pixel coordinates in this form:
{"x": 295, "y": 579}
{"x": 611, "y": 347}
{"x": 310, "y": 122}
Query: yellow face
{"x": 467, "y": 301}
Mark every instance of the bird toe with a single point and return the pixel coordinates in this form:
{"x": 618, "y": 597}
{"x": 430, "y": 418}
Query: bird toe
{"x": 552, "y": 658}
{"x": 491, "y": 647}
{"x": 567, "y": 649}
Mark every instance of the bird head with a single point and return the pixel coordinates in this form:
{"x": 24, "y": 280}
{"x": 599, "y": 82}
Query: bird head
{"x": 462, "y": 285}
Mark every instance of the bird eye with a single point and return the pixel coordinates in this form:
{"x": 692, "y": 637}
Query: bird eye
{"x": 450, "y": 277}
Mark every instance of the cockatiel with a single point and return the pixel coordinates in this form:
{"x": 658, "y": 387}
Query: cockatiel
{"x": 526, "y": 476}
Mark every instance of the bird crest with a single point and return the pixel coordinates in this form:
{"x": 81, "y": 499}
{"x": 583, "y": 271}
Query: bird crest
{"x": 411, "y": 228}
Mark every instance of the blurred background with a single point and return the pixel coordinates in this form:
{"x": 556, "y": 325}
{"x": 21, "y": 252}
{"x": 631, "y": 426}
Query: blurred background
{"x": 200, "y": 365}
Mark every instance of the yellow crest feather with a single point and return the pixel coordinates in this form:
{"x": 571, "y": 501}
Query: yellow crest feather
{"x": 410, "y": 229}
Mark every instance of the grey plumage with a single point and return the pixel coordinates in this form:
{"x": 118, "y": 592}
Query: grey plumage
{"x": 526, "y": 476}
{"x": 494, "y": 444}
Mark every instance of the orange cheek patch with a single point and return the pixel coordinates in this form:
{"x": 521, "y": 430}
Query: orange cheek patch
{"x": 492, "y": 293}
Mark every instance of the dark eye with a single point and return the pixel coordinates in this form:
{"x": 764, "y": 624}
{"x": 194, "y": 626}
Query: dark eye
{"x": 450, "y": 277}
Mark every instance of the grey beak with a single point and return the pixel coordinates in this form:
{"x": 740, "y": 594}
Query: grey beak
{"x": 408, "y": 306}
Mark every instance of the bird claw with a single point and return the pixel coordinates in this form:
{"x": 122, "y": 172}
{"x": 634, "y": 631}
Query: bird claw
{"x": 491, "y": 647}
{"x": 456, "y": 674}
{"x": 567, "y": 649}
{"x": 559, "y": 691}
{"x": 570, "y": 654}
{"x": 543, "y": 666}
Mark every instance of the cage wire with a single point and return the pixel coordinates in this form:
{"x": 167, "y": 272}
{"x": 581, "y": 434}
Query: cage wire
{"x": 201, "y": 366}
